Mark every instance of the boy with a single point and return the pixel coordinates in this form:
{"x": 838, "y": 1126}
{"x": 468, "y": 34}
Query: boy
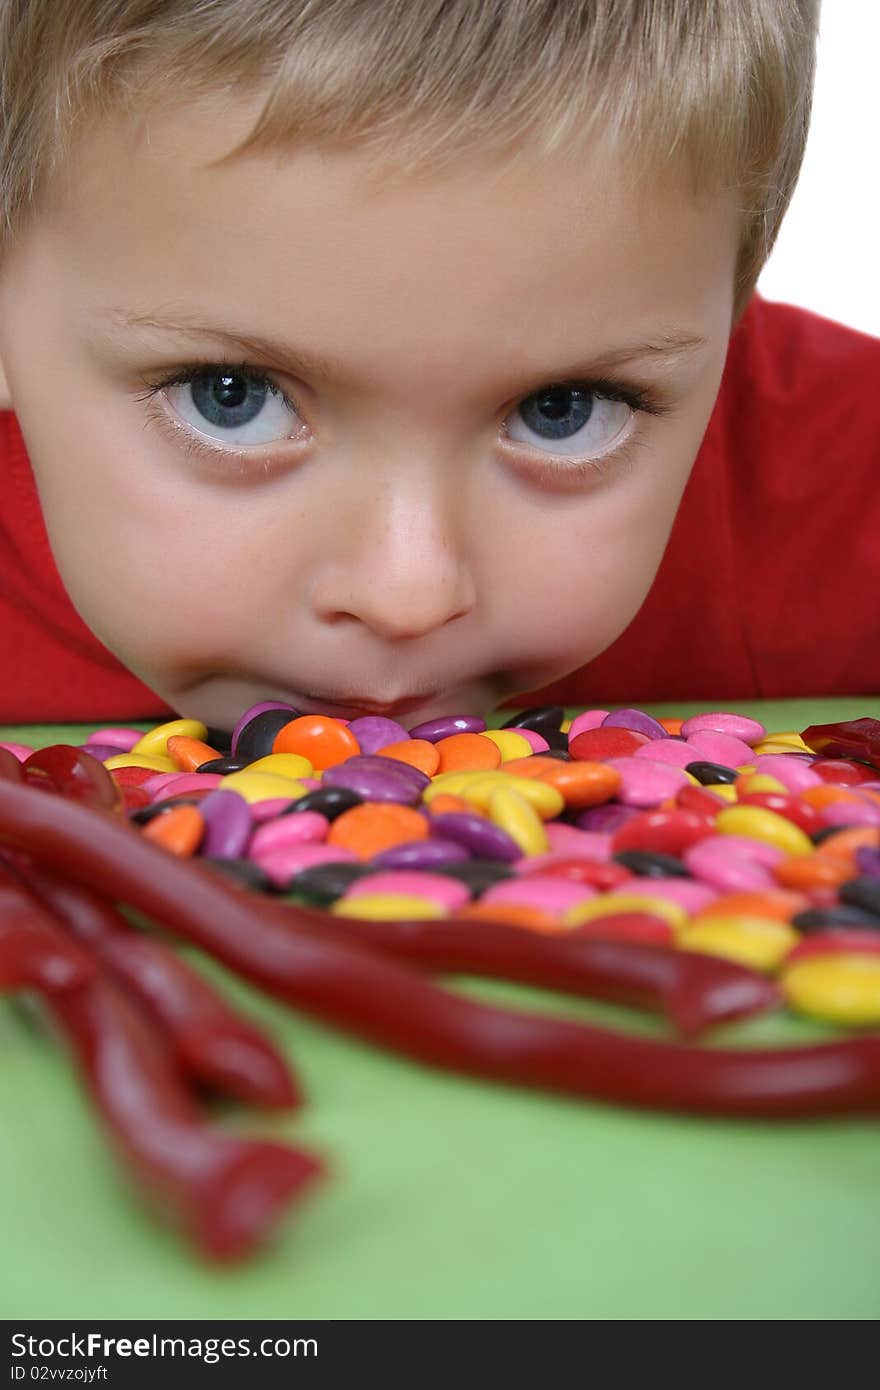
{"x": 362, "y": 355}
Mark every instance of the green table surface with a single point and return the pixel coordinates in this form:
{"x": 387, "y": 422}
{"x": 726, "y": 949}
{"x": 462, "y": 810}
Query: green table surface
{"x": 454, "y": 1198}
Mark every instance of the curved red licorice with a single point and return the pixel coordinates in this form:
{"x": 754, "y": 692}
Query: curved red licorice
{"x": 695, "y": 991}
{"x": 210, "y": 1042}
{"x": 226, "y": 1190}
{"x": 32, "y": 953}
{"x": 387, "y": 1003}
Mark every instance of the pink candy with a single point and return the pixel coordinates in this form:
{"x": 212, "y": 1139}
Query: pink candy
{"x": 645, "y": 782}
{"x": 450, "y": 893}
{"x": 554, "y": 895}
{"x": 720, "y": 748}
{"x": 590, "y": 719}
{"x": 737, "y": 726}
{"x": 301, "y": 828}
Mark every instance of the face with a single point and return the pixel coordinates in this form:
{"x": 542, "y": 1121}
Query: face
{"x": 405, "y": 448}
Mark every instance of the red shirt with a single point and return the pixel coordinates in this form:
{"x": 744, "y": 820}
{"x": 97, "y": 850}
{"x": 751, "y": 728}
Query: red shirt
{"x": 769, "y": 586}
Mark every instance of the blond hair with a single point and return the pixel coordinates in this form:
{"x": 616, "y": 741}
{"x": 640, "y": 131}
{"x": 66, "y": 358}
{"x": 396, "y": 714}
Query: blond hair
{"x": 720, "y": 89}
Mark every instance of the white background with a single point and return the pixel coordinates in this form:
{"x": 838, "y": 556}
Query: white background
{"x": 827, "y": 256}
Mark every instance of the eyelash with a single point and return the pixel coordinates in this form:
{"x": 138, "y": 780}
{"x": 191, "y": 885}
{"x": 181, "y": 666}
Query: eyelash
{"x": 642, "y": 400}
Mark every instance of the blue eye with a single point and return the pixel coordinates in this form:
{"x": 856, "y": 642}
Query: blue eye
{"x": 230, "y": 405}
{"x": 556, "y": 412}
{"x": 229, "y": 399}
{"x": 578, "y": 419}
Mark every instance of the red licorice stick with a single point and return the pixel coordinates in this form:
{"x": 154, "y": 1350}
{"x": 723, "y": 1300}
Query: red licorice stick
{"x": 226, "y": 1191}
{"x": 32, "y": 953}
{"x": 695, "y": 991}
{"x": 210, "y": 1042}
{"x": 389, "y": 1004}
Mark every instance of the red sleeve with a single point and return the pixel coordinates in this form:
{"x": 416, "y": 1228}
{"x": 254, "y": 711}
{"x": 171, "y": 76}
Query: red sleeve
{"x": 769, "y": 587}
{"x": 53, "y": 669}
{"x": 770, "y": 584}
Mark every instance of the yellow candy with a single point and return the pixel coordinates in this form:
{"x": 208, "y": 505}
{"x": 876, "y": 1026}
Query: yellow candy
{"x": 545, "y": 801}
{"x": 156, "y": 740}
{"x": 388, "y": 907}
{"x": 839, "y": 988}
{"x": 150, "y": 760}
{"x": 262, "y": 786}
{"x": 757, "y": 823}
{"x": 759, "y": 942}
{"x": 509, "y": 743}
{"x": 610, "y": 903}
{"x": 512, "y": 813}
{"x": 283, "y": 765}
{"x": 455, "y": 783}
{"x": 762, "y": 782}
{"x": 726, "y": 790}
{"x": 565, "y": 726}
{"x": 791, "y": 737}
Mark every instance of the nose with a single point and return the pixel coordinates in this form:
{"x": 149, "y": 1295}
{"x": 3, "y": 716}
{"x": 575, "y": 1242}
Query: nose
{"x": 396, "y": 563}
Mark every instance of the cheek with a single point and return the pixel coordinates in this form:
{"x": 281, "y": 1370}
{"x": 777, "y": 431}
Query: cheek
{"x": 582, "y": 568}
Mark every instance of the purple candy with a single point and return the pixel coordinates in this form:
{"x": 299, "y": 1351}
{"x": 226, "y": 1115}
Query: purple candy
{"x": 606, "y": 818}
{"x": 435, "y": 729}
{"x": 413, "y": 776}
{"x": 868, "y": 861}
{"x": 374, "y": 732}
{"x": 101, "y": 751}
{"x": 420, "y": 854}
{"x": 636, "y": 720}
{"x": 480, "y": 836}
{"x": 373, "y": 783}
{"x": 252, "y": 713}
{"x": 228, "y": 824}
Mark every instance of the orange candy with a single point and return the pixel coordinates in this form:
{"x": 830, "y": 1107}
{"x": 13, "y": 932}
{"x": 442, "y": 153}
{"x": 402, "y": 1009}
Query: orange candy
{"x": 814, "y": 871}
{"x": 848, "y": 841}
{"x": 672, "y": 726}
{"x": 773, "y": 902}
{"x": 511, "y": 915}
{"x": 373, "y": 826}
{"x": 467, "y": 753}
{"x": 445, "y": 801}
{"x": 582, "y": 783}
{"x": 324, "y": 741}
{"x": 190, "y": 753}
{"x": 418, "y": 752}
{"x": 826, "y": 795}
{"x": 179, "y": 831}
{"x": 530, "y": 767}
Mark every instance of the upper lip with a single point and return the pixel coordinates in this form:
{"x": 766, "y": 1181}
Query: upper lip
{"x": 358, "y": 702}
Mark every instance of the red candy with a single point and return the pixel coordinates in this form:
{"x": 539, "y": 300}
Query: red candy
{"x": 843, "y": 773}
{"x": 798, "y": 812}
{"x": 663, "y": 832}
{"x": 595, "y": 745}
{"x": 603, "y": 877}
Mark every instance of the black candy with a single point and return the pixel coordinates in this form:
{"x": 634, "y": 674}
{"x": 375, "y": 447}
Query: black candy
{"x": 323, "y": 884}
{"x": 651, "y": 863}
{"x": 477, "y": 874}
{"x": 144, "y": 814}
{"x": 244, "y": 872}
{"x": 330, "y": 801}
{"x": 707, "y": 773}
{"x": 538, "y": 718}
{"x": 259, "y": 734}
{"x": 842, "y": 915}
{"x": 819, "y": 836}
{"x": 228, "y": 763}
{"x": 221, "y": 739}
{"x": 864, "y": 893}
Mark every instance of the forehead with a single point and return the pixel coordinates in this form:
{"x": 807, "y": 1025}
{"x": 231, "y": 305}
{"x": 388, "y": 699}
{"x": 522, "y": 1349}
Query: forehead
{"x": 152, "y": 211}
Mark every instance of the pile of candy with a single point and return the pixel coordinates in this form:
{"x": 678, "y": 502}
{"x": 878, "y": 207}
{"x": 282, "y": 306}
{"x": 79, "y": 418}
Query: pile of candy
{"x": 703, "y": 868}
{"x": 710, "y": 834}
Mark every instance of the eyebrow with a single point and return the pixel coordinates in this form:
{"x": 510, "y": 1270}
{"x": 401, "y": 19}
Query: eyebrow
{"x": 666, "y": 347}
